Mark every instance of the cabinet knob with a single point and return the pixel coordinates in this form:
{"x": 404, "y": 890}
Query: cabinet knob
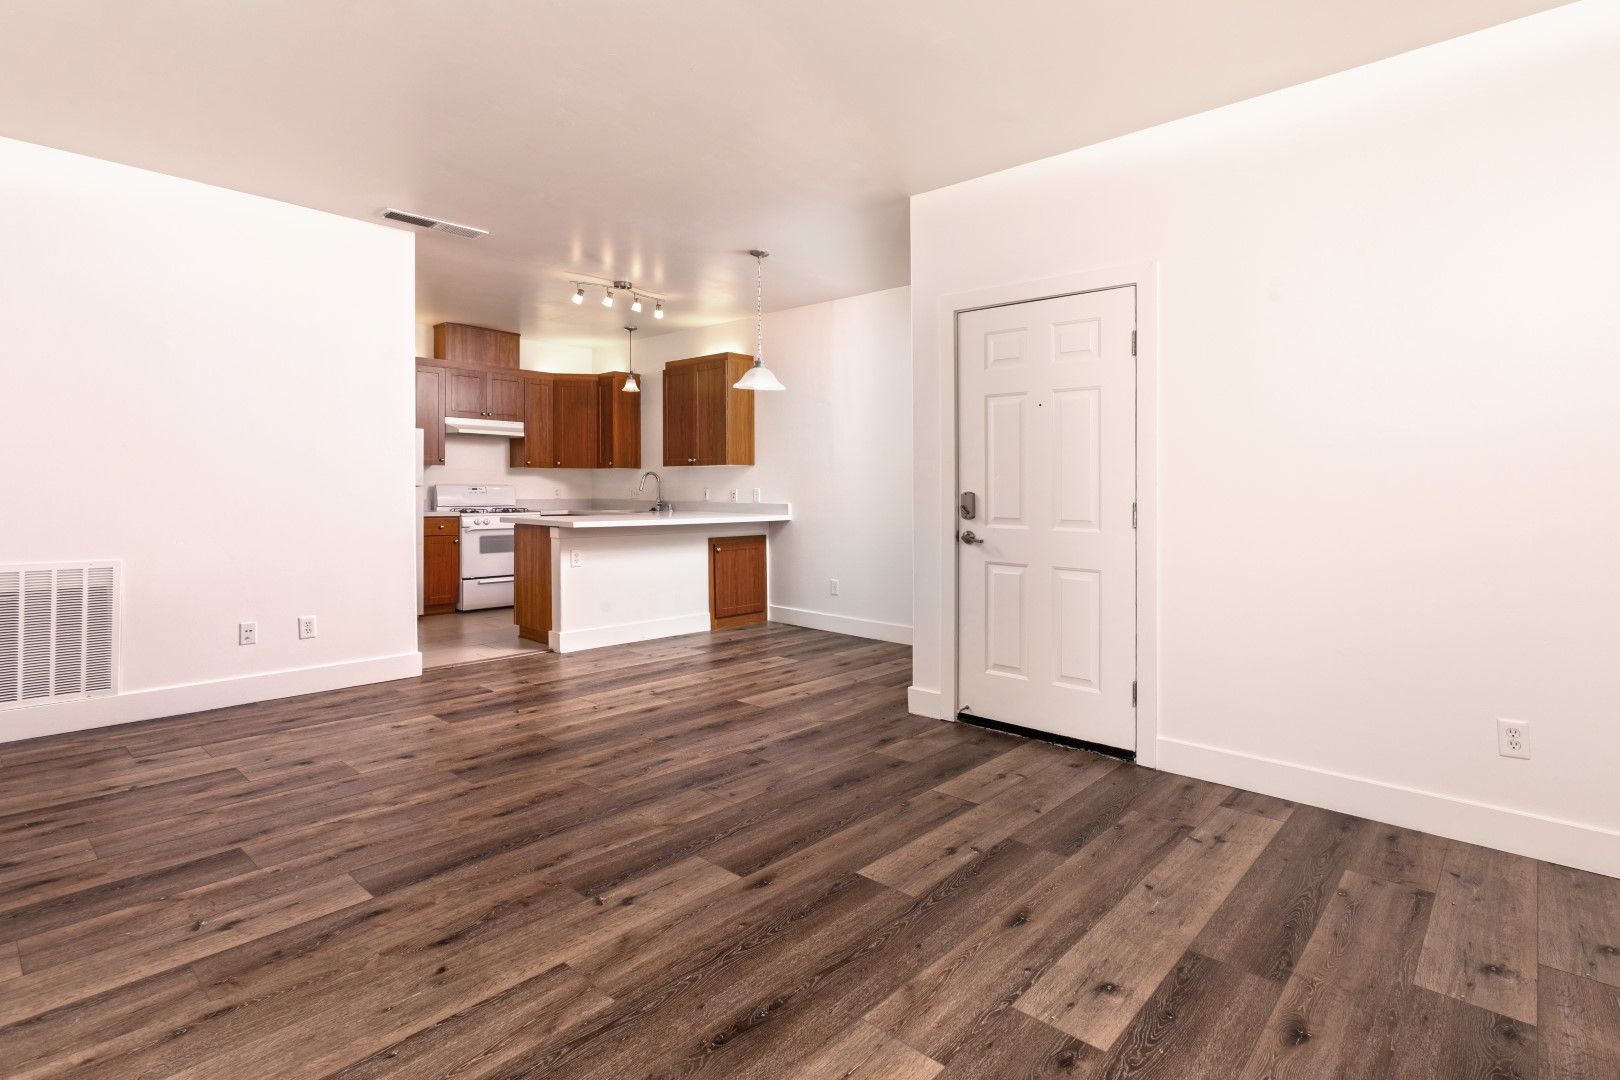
{"x": 457, "y": 540}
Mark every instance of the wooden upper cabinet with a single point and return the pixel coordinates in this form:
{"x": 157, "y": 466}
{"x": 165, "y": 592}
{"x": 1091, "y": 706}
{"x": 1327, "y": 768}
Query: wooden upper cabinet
{"x": 477, "y": 346}
{"x": 503, "y": 396}
{"x": 534, "y": 449}
{"x": 430, "y": 391}
{"x": 618, "y": 436}
{"x": 706, "y": 420}
{"x": 465, "y": 393}
{"x": 494, "y": 395}
{"x": 680, "y": 416}
{"x": 574, "y": 425}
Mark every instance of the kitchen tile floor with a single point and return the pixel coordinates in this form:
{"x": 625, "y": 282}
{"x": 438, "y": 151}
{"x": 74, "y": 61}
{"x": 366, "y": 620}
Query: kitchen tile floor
{"x": 467, "y": 637}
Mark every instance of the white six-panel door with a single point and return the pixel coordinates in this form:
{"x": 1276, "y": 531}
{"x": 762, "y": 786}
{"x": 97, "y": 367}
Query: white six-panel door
{"x": 1047, "y": 445}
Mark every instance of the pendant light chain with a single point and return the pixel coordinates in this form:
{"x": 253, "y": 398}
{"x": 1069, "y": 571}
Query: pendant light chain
{"x": 758, "y": 376}
{"x": 759, "y": 310}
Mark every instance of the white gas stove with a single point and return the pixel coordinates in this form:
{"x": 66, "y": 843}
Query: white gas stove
{"x": 487, "y": 542}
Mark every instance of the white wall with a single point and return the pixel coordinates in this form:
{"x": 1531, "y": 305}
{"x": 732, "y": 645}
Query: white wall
{"x": 207, "y": 385}
{"x": 837, "y": 445}
{"x": 1389, "y": 424}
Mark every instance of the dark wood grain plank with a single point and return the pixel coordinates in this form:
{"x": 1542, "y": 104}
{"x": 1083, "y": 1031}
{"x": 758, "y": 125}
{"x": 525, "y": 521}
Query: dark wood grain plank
{"x": 1580, "y": 1027}
{"x": 1579, "y": 919}
{"x": 1481, "y": 945}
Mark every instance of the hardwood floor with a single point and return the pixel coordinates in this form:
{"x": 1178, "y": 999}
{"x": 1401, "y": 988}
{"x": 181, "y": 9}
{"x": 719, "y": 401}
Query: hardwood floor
{"x": 736, "y": 854}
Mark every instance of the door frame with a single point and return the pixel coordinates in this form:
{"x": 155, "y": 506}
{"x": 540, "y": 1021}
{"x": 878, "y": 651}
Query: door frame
{"x": 1144, "y": 276}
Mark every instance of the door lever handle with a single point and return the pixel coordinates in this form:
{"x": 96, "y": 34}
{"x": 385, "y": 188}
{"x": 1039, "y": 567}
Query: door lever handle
{"x": 967, "y": 537}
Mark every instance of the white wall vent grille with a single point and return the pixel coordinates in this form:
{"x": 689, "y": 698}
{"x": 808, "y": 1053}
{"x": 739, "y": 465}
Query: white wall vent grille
{"x": 58, "y": 632}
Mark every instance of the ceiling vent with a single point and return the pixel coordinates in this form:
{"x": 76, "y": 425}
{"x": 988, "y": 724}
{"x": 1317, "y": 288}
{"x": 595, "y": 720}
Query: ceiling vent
{"x": 422, "y": 221}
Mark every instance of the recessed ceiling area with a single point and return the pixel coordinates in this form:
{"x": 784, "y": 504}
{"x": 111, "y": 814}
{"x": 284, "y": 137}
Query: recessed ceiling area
{"x": 649, "y": 141}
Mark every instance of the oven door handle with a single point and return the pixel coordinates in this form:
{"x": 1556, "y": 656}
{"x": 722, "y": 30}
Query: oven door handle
{"x": 491, "y": 580}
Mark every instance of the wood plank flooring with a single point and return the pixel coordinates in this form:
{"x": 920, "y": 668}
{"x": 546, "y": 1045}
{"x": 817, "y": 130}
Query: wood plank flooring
{"x": 737, "y": 855}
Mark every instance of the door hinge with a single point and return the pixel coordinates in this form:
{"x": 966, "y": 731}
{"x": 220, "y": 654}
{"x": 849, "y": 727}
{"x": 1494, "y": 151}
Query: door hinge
{"x": 1133, "y": 515}
{"x": 1133, "y": 342}
{"x": 1133, "y": 694}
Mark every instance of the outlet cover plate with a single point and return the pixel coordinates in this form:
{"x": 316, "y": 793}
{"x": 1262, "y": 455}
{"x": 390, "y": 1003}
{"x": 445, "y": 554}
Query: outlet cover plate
{"x": 1513, "y": 739}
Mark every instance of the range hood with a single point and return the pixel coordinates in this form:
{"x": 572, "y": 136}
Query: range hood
{"x": 483, "y": 425}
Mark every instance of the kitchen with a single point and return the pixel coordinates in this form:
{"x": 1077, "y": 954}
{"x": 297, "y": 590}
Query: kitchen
{"x": 538, "y": 556}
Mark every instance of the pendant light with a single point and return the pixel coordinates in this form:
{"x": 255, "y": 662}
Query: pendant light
{"x": 631, "y": 386}
{"x": 759, "y": 376}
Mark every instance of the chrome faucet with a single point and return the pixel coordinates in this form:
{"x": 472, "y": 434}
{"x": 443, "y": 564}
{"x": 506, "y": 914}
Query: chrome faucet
{"x": 659, "y": 505}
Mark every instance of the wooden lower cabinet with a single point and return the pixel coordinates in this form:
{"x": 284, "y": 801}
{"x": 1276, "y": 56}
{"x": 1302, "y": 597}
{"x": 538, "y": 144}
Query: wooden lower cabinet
{"x": 441, "y": 564}
{"x": 737, "y": 580}
{"x": 531, "y": 599}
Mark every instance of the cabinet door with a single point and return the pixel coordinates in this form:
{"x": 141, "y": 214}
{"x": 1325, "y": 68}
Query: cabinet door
{"x": 503, "y": 396}
{"x": 464, "y": 393}
{"x": 533, "y": 451}
{"x": 709, "y": 392}
{"x": 430, "y": 412}
{"x": 680, "y": 417}
{"x": 574, "y": 421}
{"x": 736, "y": 580}
{"x": 619, "y": 418}
{"x": 441, "y": 572}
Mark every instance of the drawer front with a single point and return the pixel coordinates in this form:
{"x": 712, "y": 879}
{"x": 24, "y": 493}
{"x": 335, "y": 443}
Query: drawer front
{"x": 441, "y": 526}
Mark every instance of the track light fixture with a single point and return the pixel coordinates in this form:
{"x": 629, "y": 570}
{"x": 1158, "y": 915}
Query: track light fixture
{"x": 610, "y": 287}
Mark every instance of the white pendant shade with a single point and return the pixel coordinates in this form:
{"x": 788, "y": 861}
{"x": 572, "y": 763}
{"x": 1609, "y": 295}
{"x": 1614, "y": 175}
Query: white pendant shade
{"x": 758, "y": 377}
{"x": 630, "y": 385}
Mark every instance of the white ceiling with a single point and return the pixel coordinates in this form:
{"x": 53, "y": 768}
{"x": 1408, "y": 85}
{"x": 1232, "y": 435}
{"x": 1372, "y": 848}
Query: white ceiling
{"x": 647, "y": 140}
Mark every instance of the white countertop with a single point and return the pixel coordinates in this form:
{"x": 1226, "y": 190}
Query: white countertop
{"x": 643, "y": 519}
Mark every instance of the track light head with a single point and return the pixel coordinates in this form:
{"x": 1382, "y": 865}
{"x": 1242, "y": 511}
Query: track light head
{"x": 658, "y": 310}
{"x": 635, "y": 303}
{"x": 579, "y": 293}
{"x": 607, "y": 298}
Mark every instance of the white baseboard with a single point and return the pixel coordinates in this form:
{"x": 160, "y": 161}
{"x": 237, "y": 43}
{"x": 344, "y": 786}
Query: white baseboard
{"x": 148, "y": 704}
{"x": 595, "y": 637}
{"x": 899, "y": 633}
{"x": 929, "y": 703}
{"x": 1587, "y": 847}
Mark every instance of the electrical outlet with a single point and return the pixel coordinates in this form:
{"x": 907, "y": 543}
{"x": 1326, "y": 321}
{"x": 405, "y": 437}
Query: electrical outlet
{"x": 1513, "y": 738}
{"x": 306, "y": 627}
{"x": 733, "y": 494}
{"x": 756, "y": 494}
{"x": 832, "y": 586}
{"x": 247, "y": 633}
{"x": 576, "y": 558}
{"x": 705, "y": 494}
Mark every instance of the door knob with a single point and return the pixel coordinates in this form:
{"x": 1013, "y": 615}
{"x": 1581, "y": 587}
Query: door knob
{"x": 967, "y": 537}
